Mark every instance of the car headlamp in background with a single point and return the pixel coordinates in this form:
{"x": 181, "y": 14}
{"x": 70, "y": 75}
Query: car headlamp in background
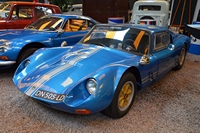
{"x": 4, "y": 45}
{"x": 91, "y": 86}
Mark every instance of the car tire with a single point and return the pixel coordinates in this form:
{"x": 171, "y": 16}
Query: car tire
{"x": 181, "y": 59}
{"x": 123, "y": 97}
{"x": 25, "y": 53}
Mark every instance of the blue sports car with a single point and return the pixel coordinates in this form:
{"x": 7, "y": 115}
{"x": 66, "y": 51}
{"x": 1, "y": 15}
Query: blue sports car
{"x": 49, "y": 31}
{"x": 103, "y": 72}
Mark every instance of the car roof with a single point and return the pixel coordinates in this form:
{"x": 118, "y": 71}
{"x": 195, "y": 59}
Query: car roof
{"x": 150, "y": 28}
{"x": 77, "y": 5}
{"x": 29, "y": 3}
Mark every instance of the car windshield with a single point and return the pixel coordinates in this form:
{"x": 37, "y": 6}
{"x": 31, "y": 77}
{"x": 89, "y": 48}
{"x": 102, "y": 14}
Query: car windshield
{"x": 117, "y": 37}
{"x": 4, "y": 9}
{"x": 46, "y": 24}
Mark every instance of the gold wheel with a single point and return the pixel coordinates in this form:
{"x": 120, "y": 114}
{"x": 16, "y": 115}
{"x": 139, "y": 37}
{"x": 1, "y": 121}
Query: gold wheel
{"x": 181, "y": 59}
{"x": 125, "y": 96}
{"x": 182, "y": 56}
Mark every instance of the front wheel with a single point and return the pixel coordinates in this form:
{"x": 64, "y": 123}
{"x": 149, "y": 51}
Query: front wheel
{"x": 123, "y": 98}
{"x": 181, "y": 59}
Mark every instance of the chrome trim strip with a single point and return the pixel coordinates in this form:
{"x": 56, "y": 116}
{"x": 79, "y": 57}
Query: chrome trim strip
{"x": 147, "y": 78}
{"x": 6, "y": 63}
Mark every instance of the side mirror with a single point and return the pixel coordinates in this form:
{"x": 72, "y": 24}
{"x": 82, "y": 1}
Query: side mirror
{"x": 171, "y": 47}
{"x": 144, "y": 60}
{"x": 63, "y": 44}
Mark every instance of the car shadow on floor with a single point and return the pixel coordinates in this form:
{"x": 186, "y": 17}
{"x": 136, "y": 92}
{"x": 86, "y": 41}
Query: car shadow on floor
{"x": 7, "y": 71}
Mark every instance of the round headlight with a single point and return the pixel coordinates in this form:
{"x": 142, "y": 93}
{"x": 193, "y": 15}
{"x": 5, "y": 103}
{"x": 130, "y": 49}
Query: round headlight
{"x": 91, "y": 86}
{"x": 26, "y": 63}
{"x": 5, "y": 45}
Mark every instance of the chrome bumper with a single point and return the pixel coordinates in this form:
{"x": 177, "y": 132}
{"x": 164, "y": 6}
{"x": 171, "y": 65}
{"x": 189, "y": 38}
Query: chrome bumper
{"x": 6, "y": 63}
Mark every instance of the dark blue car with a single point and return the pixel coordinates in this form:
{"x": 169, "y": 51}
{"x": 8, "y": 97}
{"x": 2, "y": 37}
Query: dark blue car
{"x": 49, "y": 31}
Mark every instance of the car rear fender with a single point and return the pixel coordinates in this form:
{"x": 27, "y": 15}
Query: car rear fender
{"x": 179, "y": 43}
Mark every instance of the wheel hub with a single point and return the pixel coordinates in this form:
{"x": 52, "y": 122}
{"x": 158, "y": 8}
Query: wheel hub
{"x": 125, "y": 96}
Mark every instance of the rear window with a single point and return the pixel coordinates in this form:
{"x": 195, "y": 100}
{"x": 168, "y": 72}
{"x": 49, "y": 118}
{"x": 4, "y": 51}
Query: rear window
{"x": 149, "y": 8}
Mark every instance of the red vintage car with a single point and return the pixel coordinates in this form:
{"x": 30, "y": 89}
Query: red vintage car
{"x": 17, "y": 15}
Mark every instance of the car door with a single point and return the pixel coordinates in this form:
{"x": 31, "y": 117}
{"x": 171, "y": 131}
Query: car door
{"x": 148, "y": 62}
{"x": 162, "y": 52}
{"x": 74, "y": 30}
{"x": 21, "y": 17}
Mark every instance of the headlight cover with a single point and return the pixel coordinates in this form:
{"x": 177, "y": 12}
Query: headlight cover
{"x": 91, "y": 86}
{"x": 4, "y": 45}
{"x": 26, "y": 63}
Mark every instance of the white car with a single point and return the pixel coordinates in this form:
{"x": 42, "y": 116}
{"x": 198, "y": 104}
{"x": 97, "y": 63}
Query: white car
{"x": 75, "y": 9}
{"x": 153, "y": 12}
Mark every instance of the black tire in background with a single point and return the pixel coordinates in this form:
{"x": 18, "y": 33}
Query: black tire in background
{"x": 25, "y": 53}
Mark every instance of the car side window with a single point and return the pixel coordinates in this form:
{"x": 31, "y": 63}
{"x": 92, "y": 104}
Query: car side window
{"x": 22, "y": 12}
{"x": 161, "y": 40}
{"x": 42, "y": 11}
{"x": 76, "y": 25}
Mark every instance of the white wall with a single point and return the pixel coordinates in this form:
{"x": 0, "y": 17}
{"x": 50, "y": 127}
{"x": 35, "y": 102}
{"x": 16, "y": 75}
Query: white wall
{"x": 196, "y": 11}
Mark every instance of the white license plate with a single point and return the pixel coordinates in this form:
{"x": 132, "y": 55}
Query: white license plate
{"x": 49, "y": 95}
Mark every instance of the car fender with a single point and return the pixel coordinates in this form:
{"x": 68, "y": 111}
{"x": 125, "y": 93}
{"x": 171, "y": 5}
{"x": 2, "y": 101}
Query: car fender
{"x": 108, "y": 78}
{"x": 19, "y": 44}
{"x": 179, "y": 41}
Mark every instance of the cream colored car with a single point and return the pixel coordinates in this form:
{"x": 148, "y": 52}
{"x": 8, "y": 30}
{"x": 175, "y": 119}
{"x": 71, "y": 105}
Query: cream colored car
{"x": 152, "y": 12}
{"x": 75, "y": 9}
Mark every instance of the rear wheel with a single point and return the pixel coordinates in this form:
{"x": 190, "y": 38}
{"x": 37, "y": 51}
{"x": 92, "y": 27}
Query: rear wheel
{"x": 181, "y": 59}
{"x": 26, "y": 53}
{"x": 123, "y": 98}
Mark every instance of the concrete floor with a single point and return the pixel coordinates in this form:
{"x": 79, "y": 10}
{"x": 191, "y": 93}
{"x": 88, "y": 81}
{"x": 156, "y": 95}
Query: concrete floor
{"x": 169, "y": 105}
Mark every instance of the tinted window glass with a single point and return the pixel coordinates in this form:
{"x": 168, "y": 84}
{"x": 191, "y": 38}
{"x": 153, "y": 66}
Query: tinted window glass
{"x": 149, "y": 8}
{"x": 46, "y": 24}
{"x": 120, "y": 38}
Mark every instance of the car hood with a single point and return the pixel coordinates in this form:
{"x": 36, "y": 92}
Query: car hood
{"x": 16, "y": 34}
{"x": 69, "y": 69}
